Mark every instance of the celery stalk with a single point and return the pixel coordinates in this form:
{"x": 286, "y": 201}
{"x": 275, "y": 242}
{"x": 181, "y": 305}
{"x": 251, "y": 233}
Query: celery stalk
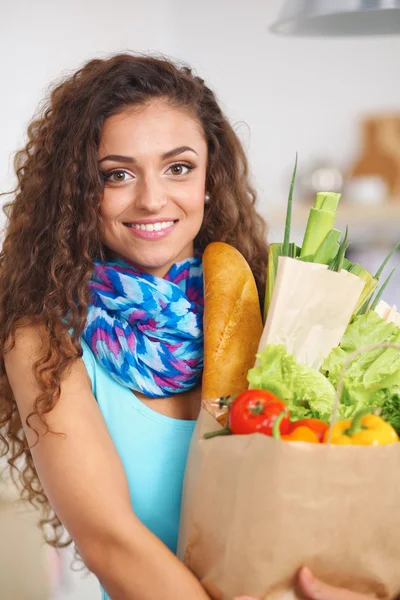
{"x": 329, "y": 248}
{"x": 320, "y": 221}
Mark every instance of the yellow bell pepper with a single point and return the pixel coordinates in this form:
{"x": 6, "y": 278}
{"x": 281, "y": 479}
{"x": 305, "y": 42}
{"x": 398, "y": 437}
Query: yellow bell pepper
{"x": 363, "y": 430}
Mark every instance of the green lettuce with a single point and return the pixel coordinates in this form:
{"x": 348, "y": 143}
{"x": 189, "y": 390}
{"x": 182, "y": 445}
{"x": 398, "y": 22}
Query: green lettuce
{"x": 306, "y": 392}
{"x": 372, "y": 379}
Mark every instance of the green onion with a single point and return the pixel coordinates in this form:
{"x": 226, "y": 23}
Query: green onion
{"x": 288, "y": 224}
{"x": 365, "y": 306}
{"x": 389, "y": 256}
{"x": 320, "y": 221}
{"x": 277, "y": 250}
{"x": 380, "y": 292}
{"x": 371, "y": 284}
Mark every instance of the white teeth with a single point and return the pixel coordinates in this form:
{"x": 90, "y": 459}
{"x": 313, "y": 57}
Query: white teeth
{"x": 152, "y": 226}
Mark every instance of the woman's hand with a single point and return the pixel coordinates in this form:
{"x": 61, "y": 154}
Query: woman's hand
{"x": 315, "y": 589}
{"x": 318, "y": 590}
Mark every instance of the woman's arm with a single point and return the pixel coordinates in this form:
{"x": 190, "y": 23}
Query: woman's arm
{"x": 85, "y": 482}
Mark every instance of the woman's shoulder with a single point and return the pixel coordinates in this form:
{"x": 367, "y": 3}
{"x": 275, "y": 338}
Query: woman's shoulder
{"x": 30, "y": 354}
{"x": 28, "y": 343}
{"x": 31, "y": 341}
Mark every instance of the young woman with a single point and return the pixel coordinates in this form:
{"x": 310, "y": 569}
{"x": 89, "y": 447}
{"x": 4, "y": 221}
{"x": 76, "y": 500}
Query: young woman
{"x": 129, "y": 172}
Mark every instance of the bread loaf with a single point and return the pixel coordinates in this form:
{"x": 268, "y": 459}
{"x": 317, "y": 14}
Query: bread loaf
{"x": 232, "y": 321}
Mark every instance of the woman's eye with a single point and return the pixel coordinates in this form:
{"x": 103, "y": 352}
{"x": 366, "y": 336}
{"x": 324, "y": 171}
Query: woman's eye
{"x": 180, "y": 169}
{"x": 118, "y": 176}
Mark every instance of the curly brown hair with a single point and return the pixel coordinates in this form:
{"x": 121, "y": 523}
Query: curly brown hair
{"x": 53, "y": 232}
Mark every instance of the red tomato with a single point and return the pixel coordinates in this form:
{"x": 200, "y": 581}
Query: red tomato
{"x": 255, "y": 411}
{"x": 319, "y": 427}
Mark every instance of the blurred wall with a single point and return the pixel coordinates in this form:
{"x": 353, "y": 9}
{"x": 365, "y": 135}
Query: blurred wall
{"x": 283, "y": 94}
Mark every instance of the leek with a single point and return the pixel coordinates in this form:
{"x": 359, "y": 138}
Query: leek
{"x": 329, "y": 248}
{"x": 320, "y": 221}
{"x": 337, "y": 263}
{"x": 274, "y": 252}
{"x": 309, "y": 258}
{"x": 277, "y": 250}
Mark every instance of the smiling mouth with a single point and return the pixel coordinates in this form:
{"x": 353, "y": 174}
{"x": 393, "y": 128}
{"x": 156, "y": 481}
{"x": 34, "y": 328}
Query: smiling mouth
{"x": 159, "y": 226}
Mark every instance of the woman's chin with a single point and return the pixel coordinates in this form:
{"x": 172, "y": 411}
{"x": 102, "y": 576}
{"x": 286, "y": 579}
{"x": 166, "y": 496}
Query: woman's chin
{"x": 155, "y": 265}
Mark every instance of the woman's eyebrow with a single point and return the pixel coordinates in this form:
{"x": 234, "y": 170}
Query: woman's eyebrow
{"x": 118, "y": 158}
{"x": 131, "y": 159}
{"x": 177, "y": 151}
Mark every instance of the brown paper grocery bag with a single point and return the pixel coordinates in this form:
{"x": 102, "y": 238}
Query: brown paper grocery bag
{"x": 256, "y": 509}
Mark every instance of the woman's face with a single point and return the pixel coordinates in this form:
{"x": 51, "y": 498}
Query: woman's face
{"x": 154, "y": 162}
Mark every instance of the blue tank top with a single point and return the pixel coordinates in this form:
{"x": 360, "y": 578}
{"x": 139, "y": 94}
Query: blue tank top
{"x": 153, "y": 449}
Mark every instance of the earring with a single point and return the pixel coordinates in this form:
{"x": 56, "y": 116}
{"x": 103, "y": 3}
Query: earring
{"x": 207, "y": 198}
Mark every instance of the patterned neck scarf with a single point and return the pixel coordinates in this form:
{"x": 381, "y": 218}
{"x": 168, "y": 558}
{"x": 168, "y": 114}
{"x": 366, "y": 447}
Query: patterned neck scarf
{"x": 147, "y": 331}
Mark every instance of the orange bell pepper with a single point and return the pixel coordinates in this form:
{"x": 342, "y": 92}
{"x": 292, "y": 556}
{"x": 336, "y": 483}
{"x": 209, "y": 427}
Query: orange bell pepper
{"x": 316, "y": 425}
{"x": 298, "y": 434}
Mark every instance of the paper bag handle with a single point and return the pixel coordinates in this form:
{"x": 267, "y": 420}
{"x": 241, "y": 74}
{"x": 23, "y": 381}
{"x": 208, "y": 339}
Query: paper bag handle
{"x": 346, "y": 364}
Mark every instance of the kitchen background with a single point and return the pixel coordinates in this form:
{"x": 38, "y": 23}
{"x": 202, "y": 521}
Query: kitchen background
{"x": 334, "y": 101}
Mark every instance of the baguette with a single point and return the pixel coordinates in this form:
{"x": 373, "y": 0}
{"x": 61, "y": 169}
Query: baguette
{"x": 232, "y": 321}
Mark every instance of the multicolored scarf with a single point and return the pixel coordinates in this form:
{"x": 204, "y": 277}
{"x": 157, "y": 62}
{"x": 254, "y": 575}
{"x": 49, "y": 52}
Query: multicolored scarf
{"x": 145, "y": 330}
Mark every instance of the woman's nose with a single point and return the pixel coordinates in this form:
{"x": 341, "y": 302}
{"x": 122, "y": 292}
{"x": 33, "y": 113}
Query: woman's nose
{"x": 150, "y": 195}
